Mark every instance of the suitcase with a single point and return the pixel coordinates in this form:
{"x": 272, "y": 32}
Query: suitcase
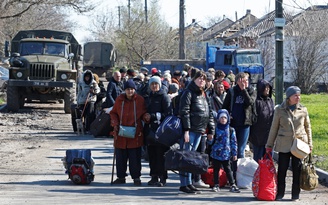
{"x": 208, "y": 177}
{"x": 75, "y": 114}
{"x": 101, "y": 125}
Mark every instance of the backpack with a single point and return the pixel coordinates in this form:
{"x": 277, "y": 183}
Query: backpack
{"x": 78, "y": 165}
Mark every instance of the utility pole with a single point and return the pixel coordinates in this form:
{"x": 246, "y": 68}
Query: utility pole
{"x": 129, "y": 6}
{"x": 146, "y": 13}
{"x": 279, "y": 24}
{"x": 182, "y": 53}
{"x": 119, "y": 17}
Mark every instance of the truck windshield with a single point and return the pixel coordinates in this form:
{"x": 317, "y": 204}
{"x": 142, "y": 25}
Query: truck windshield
{"x": 248, "y": 58}
{"x": 43, "y": 48}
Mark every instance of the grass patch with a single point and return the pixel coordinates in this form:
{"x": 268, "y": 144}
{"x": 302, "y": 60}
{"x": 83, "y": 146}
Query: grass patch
{"x": 317, "y": 108}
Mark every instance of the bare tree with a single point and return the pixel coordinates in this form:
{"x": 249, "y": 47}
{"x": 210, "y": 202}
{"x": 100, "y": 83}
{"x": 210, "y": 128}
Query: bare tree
{"x": 16, "y": 8}
{"x": 139, "y": 40}
{"x": 306, "y": 48}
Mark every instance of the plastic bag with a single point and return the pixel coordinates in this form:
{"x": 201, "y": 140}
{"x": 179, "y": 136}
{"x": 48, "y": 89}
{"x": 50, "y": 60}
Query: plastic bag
{"x": 246, "y": 168}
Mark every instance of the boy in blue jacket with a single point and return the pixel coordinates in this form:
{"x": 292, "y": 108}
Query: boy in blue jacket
{"x": 224, "y": 147}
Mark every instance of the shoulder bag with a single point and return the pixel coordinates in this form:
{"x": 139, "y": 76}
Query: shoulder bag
{"x": 299, "y": 149}
{"x": 309, "y": 177}
{"x": 128, "y": 131}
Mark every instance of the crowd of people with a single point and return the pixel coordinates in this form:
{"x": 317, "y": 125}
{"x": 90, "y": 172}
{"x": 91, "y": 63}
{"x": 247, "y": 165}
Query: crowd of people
{"x": 219, "y": 111}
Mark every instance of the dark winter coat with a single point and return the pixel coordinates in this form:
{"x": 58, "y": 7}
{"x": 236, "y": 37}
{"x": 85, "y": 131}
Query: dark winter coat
{"x": 114, "y": 89}
{"x": 245, "y": 98}
{"x": 128, "y": 120}
{"x": 158, "y": 102}
{"x": 195, "y": 110}
{"x": 265, "y": 108}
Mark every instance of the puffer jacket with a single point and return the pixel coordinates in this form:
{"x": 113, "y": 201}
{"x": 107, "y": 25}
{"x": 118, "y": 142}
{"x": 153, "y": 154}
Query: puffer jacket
{"x": 264, "y": 108}
{"x": 128, "y": 120}
{"x": 158, "y": 102}
{"x": 195, "y": 110}
{"x": 85, "y": 87}
{"x": 224, "y": 146}
{"x": 286, "y": 124}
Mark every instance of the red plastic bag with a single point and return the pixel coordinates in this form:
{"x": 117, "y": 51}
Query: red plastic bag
{"x": 264, "y": 184}
{"x": 208, "y": 177}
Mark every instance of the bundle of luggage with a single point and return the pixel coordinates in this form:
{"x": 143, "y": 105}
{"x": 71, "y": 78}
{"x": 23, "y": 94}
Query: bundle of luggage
{"x": 79, "y": 165}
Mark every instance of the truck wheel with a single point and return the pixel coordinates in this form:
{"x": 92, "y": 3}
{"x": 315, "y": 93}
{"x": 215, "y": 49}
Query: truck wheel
{"x": 69, "y": 97}
{"x": 13, "y": 101}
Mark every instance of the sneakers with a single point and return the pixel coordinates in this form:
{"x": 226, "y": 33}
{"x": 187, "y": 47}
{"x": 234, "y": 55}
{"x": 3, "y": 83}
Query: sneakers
{"x": 137, "y": 182}
{"x": 153, "y": 181}
{"x": 162, "y": 182}
{"x": 186, "y": 190}
{"x": 216, "y": 188}
{"x": 192, "y": 188}
{"x": 119, "y": 181}
{"x": 234, "y": 189}
{"x": 200, "y": 184}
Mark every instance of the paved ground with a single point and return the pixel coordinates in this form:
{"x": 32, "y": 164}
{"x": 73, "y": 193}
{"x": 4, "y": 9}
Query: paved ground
{"x": 32, "y": 171}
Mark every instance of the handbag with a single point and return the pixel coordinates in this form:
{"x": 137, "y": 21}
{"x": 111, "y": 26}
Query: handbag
{"x": 300, "y": 149}
{"x": 264, "y": 184}
{"x": 309, "y": 178}
{"x": 186, "y": 161}
{"x": 128, "y": 131}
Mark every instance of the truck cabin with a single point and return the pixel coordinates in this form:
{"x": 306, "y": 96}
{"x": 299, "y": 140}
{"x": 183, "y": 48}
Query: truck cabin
{"x": 44, "y": 47}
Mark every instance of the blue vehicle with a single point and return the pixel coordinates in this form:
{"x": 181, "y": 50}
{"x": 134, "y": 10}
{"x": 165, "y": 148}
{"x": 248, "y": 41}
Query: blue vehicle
{"x": 225, "y": 59}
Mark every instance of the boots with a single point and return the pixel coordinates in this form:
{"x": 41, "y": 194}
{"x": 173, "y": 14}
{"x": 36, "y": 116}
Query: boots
{"x": 162, "y": 181}
{"x": 153, "y": 181}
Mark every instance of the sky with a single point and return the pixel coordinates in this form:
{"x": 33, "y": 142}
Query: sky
{"x": 201, "y": 10}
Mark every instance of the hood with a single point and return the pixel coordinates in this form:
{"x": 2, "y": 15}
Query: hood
{"x": 261, "y": 84}
{"x": 223, "y": 111}
{"x": 88, "y": 72}
{"x": 45, "y": 59}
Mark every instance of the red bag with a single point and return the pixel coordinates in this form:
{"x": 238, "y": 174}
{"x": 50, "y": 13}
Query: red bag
{"x": 264, "y": 184}
{"x": 208, "y": 177}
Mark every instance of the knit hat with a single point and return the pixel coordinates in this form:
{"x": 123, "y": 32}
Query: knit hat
{"x": 292, "y": 90}
{"x": 129, "y": 84}
{"x": 153, "y": 71}
{"x": 144, "y": 69}
{"x": 155, "y": 79}
{"x": 223, "y": 115}
{"x": 123, "y": 70}
{"x": 173, "y": 88}
{"x": 131, "y": 72}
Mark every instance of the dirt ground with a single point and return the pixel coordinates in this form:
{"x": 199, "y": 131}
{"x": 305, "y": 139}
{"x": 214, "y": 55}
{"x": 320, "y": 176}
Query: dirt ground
{"x": 33, "y": 141}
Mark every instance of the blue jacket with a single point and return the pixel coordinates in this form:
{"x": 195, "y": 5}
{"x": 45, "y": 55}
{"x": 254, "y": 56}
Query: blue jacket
{"x": 224, "y": 145}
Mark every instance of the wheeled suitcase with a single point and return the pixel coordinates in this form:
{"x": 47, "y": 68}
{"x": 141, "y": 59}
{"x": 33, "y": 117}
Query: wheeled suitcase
{"x": 101, "y": 125}
{"x": 74, "y": 116}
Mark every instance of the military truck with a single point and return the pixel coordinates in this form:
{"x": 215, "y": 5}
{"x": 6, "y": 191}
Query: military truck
{"x": 43, "y": 67}
{"x": 99, "y": 57}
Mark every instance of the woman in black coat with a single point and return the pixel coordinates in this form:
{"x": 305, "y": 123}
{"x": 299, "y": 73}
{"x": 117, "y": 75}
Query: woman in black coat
{"x": 259, "y": 131}
{"x": 159, "y": 107}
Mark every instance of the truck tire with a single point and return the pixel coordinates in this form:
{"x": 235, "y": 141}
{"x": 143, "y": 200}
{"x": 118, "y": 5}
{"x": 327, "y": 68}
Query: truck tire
{"x": 69, "y": 97}
{"x": 13, "y": 101}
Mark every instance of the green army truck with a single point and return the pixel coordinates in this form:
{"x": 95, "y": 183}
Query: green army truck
{"x": 43, "y": 67}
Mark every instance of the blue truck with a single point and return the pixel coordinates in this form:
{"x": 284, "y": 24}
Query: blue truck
{"x": 225, "y": 59}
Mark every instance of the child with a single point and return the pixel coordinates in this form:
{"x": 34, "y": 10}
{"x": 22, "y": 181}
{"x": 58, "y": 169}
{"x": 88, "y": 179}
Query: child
{"x": 224, "y": 147}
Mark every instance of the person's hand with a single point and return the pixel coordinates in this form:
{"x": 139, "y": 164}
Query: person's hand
{"x": 268, "y": 150}
{"x": 243, "y": 83}
{"x": 234, "y": 158}
{"x": 210, "y": 137}
{"x": 186, "y": 136}
{"x": 116, "y": 128}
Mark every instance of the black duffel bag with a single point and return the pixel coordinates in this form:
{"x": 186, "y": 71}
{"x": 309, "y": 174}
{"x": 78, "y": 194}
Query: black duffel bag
{"x": 186, "y": 161}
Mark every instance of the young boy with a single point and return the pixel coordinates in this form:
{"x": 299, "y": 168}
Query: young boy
{"x": 224, "y": 147}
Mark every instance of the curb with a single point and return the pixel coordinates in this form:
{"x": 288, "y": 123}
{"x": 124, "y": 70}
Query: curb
{"x": 323, "y": 175}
